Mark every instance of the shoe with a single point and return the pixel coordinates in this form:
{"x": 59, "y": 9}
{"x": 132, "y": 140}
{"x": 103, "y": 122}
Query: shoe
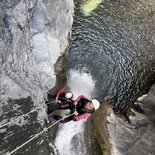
{"x": 49, "y": 111}
{"x": 50, "y": 118}
{"x": 46, "y": 102}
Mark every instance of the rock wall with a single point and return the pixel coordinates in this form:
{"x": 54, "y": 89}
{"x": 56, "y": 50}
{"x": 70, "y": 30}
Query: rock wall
{"x": 136, "y": 135}
{"x": 129, "y": 133}
{"x": 33, "y": 34}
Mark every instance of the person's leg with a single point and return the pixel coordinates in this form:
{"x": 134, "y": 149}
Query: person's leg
{"x": 52, "y": 107}
{"x": 50, "y": 96}
{"x": 60, "y": 106}
{"x": 66, "y": 105}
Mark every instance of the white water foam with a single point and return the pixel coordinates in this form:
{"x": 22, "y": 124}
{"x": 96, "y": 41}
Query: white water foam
{"x": 81, "y": 84}
{"x": 69, "y": 140}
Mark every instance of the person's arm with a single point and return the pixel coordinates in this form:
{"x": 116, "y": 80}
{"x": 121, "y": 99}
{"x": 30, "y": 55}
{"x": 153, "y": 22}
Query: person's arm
{"x": 83, "y": 116}
{"x": 62, "y": 91}
{"x": 79, "y": 98}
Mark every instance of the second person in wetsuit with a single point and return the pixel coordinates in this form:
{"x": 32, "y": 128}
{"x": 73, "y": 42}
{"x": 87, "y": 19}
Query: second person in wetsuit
{"x": 82, "y": 108}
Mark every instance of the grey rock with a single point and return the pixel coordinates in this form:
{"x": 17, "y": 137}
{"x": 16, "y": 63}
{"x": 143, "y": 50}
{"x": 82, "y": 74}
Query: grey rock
{"x": 24, "y": 25}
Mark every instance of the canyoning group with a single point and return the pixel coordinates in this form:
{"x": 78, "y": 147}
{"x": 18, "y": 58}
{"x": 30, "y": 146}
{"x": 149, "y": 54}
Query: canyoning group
{"x": 81, "y": 108}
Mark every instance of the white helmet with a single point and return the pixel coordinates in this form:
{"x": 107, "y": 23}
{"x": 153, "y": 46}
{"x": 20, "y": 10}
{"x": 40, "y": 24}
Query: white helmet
{"x": 68, "y": 95}
{"x": 96, "y": 103}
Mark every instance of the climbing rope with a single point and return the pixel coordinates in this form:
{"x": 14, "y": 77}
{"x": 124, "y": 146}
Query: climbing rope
{"x": 33, "y": 110}
{"x": 42, "y": 106}
{"x": 45, "y": 129}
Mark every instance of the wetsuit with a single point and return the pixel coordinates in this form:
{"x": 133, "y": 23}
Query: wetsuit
{"x": 83, "y": 113}
{"x": 61, "y": 95}
{"x": 80, "y": 108}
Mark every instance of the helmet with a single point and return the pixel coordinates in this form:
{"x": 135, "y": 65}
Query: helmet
{"x": 68, "y": 95}
{"x": 96, "y": 103}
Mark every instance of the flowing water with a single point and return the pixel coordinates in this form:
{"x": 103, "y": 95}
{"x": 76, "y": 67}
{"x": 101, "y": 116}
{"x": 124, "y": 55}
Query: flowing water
{"x": 70, "y": 137}
{"x": 116, "y": 46}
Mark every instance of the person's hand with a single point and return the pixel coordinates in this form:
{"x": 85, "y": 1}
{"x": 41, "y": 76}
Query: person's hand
{"x": 75, "y": 113}
{"x": 56, "y": 99}
{"x": 65, "y": 116}
{"x": 75, "y": 103}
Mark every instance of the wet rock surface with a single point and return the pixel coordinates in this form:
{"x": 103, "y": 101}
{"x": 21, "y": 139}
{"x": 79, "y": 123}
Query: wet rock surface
{"x": 136, "y": 137}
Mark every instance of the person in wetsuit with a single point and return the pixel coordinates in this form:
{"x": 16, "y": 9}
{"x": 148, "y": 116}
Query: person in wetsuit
{"x": 82, "y": 108}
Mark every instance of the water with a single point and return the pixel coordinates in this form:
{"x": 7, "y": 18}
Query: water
{"x": 116, "y": 46}
{"x": 70, "y": 137}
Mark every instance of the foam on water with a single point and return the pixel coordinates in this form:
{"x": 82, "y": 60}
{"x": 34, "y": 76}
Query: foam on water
{"x": 89, "y": 6}
{"x": 80, "y": 84}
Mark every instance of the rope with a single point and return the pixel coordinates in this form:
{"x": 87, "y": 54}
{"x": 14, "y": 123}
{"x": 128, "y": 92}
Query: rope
{"x": 70, "y": 101}
{"x": 66, "y": 99}
{"x": 28, "y": 113}
{"x": 1, "y": 126}
{"x": 45, "y": 129}
{"x": 22, "y": 116}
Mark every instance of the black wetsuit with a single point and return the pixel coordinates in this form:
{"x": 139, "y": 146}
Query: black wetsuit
{"x": 69, "y": 105}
